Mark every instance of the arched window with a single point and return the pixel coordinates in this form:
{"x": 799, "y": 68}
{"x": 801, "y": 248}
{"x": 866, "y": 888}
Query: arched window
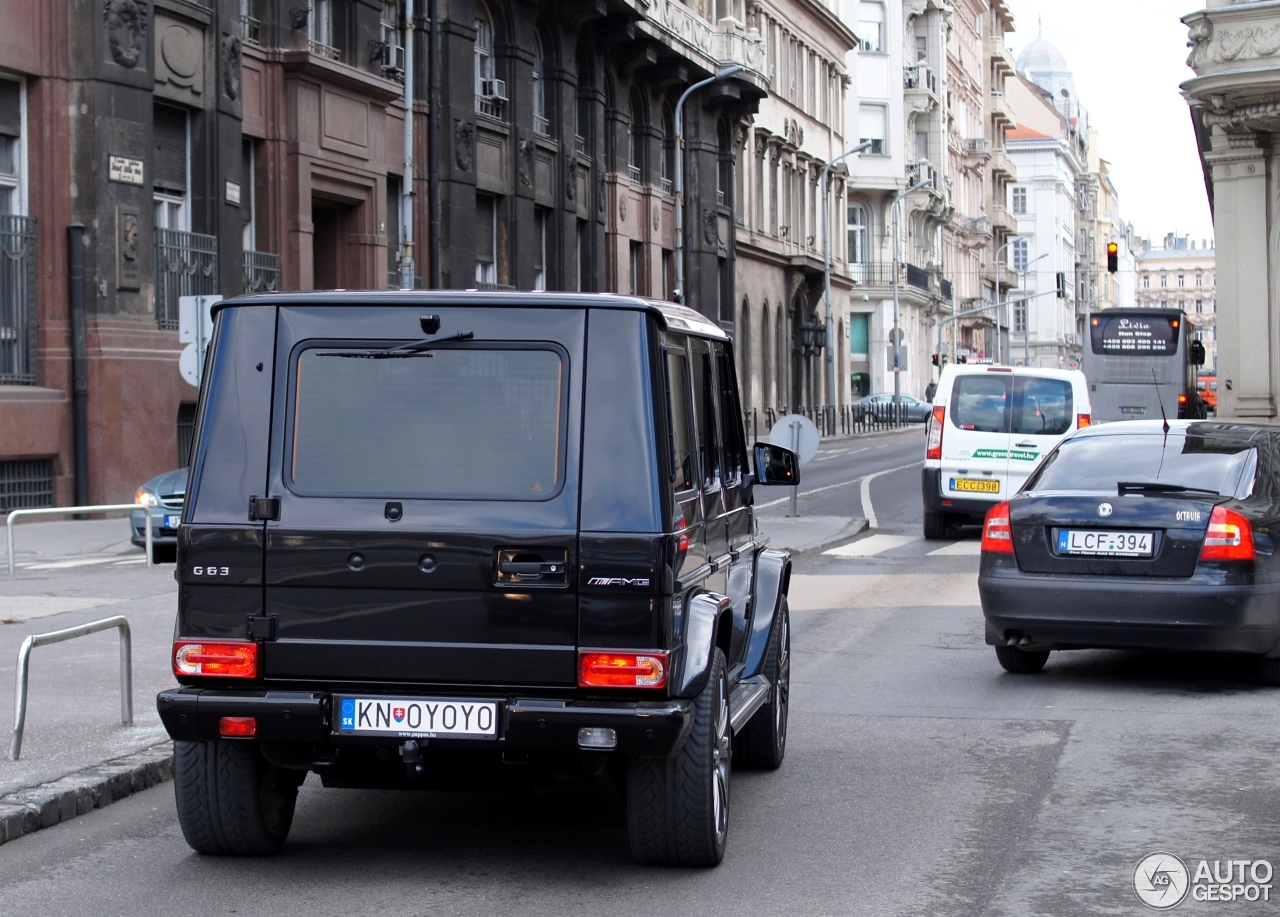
{"x": 541, "y": 123}
{"x": 582, "y": 110}
{"x": 491, "y": 92}
{"x": 635, "y": 138}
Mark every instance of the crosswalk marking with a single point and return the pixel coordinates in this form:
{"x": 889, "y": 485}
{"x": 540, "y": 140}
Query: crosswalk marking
{"x": 958, "y": 549}
{"x": 868, "y": 547}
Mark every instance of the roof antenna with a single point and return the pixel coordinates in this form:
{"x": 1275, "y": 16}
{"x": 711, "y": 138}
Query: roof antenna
{"x": 1160, "y": 401}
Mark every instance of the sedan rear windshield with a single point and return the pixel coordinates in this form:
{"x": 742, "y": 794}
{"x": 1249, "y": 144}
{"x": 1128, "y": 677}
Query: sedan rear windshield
{"x": 1100, "y": 463}
{"x": 451, "y": 422}
{"x": 1006, "y": 403}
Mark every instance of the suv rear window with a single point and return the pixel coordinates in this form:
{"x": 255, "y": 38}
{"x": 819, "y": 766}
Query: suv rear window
{"x": 1102, "y": 462}
{"x": 1007, "y": 403}
{"x": 453, "y": 422}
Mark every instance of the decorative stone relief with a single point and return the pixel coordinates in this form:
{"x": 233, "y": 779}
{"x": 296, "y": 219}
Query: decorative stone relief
{"x": 600, "y": 194}
{"x": 464, "y": 144}
{"x": 571, "y": 180}
{"x": 710, "y": 227}
{"x": 180, "y": 56}
{"x": 524, "y": 163}
{"x": 1210, "y": 45}
{"x": 622, "y": 208}
{"x": 231, "y": 66}
{"x": 657, "y": 219}
{"x": 126, "y": 23}
{"x": 127, "y": 271}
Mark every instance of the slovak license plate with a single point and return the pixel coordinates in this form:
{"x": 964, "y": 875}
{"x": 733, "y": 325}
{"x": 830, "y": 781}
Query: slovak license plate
{"x": 171, "y": 522}
{"x": 1104, "y": 544}
{"x": 975, "y": 485}
{"x": 414, "y": 718}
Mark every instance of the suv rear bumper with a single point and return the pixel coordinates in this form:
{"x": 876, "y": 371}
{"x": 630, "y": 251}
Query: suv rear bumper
{"x": 931, "y": 490}
{"x": 649, "y": 728}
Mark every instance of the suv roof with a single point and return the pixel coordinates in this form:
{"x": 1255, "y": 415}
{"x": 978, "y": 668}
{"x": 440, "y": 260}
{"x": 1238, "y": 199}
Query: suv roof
{"x": 673, "y": 316}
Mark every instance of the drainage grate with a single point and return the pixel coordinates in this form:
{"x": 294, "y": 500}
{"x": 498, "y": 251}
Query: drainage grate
{"x": 26, "y": 484}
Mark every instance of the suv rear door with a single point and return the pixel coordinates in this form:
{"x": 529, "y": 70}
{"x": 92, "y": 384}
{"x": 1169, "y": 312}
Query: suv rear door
{"x": 428, "y": 503}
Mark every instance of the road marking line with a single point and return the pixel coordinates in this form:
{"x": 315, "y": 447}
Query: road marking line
{"x": 958, "y": 549}
{"x": 876, "y": 544}
{"x": 818, "y": 490}
{"x": 867, "y": 509}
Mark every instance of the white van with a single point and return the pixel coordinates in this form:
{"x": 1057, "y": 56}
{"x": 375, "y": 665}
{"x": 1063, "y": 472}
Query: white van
{"x": 989, "y": 429}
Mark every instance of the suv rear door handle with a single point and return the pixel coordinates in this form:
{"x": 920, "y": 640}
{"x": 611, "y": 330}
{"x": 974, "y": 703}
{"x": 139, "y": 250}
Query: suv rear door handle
{"x": 529, "y": 568}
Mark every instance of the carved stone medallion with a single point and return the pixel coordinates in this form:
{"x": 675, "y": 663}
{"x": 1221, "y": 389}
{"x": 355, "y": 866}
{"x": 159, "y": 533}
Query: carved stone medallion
{"x": 464, "y": 142}
{"x": 126, "y": 22}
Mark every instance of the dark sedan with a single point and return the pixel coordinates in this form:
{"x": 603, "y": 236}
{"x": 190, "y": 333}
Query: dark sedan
{"x": 879, "y": 409}
{"x": 163, "y": 496}
{"x": 1140, "y": 535}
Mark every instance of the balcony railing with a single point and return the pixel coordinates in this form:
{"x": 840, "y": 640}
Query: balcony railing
{"x": 321, "y": 49}
{"x": 714, "y": 44}
{"x": 186, "y": 265}
{"x": 251, "y": 29}
{"x": 918, "y": 277}
{"x": 18, "y": 300}
{"x": 261, "y": 272}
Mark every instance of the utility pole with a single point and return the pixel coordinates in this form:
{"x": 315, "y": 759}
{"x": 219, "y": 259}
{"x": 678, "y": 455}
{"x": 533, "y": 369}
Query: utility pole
{"x": 826, "y": 271}
{"x": 896, "y": 336}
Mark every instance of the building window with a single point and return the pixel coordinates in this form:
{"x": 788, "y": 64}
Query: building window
{"x": 1182, "y": 280}
{"x": 541, "y": 123}
{"x": 724, "y": 170}
{"x": 1146, "y": 281}
{"x": 871, "y": 26}
{"x": 486, "y": 239}
{"x": 857, "y": 228}
{"x": 1199, "y": 279}
{"x": 580, "y": 247}
{"x": 1164, "y": 279}
{"x": 636, "y": 268}
{"x": 169, "y": 168}
{"x": 635, "y": 140}
{"x": 871, "y": 127}
{"x": 12, "y": 152}
{"x": 491, "y": 92}
{"x": 1020, "y": 249}
{"x": 1020, "y": 317}
{"x": 668, "y": 274}
{"x": 668, "y": 150}
{"x": 320, "y": 30}
{"x": 1199, "y": 305}
{"x": 1020, "y": 201}
{"x": 394, "y": 184}
{"x": 541, "y": 221}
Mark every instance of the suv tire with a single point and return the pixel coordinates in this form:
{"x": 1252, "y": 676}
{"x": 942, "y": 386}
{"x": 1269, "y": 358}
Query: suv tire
{"x": 230, "y": 800}
{"x": 678, "y": 807}
{"x": 935, "y": 525}
{"x": 762, "y": 743}
{"x": 1021, "y": 662}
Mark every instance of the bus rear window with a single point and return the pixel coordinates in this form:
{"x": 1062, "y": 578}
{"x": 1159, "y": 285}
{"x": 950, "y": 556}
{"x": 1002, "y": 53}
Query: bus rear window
{"x": 449, "y": 423}
{"x": 1130, "y": 335}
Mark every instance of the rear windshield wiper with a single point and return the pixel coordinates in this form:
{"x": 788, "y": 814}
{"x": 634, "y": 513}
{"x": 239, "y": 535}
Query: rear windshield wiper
{"x": 1159, "y": 487}
{"x": 414, "y": 349}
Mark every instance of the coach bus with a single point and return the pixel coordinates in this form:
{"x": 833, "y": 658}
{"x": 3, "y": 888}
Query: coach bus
{"x": 1138, "y": 361}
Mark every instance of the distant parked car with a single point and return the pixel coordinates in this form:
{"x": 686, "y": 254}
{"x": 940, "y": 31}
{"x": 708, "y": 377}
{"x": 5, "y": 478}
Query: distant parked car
{"x": 1140, "y": 535}
{"x": 879, "y": 408}
{"x": 163, "y": 496}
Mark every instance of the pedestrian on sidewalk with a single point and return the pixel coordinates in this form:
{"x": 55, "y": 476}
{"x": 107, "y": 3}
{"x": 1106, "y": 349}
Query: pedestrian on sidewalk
{"x": 930, "y": 390}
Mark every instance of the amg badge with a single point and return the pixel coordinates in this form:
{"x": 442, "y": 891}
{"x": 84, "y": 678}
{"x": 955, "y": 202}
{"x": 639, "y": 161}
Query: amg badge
{"x": 642, "y": 581}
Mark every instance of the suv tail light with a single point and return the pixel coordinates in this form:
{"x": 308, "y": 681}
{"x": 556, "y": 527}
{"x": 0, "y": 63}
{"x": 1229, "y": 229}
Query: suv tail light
{"x": 622, "y": 670}
{"x": 997, "y": 534}
{"x": 933, "y": 446}
{"x": 1082, "y": 421}
{"x": 223, "y": 659}
{"x": 1229, "y": 536}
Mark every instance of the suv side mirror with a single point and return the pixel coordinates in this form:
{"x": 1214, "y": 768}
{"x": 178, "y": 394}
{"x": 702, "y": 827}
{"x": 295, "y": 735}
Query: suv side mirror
{"x": 776, "y": 464}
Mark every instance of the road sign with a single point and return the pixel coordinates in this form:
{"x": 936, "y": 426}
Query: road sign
{"x": 195, "y": 328}
{"x": 797, "y": 433}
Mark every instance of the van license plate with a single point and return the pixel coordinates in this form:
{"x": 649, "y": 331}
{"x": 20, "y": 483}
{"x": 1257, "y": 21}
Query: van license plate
{"x": 1104, "y": 544}
{"x": 974, "y": 485}
{"x": 416, "y": 717}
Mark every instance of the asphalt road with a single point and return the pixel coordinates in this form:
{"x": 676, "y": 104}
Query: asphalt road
{"x": 920, "y": 779}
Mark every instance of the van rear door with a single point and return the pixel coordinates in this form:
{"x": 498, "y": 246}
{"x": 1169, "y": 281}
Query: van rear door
{"x": 426, "y": 524}
{"x": 1044, "y": 410}
{"x": 976, "y": 443}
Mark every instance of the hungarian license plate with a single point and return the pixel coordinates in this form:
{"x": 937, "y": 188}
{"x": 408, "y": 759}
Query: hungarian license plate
{"x": 975, "y": 485}
{"x": 171, "y": 522}
{"x": 416, "y": 717}
{"x": 1104, "y": 544}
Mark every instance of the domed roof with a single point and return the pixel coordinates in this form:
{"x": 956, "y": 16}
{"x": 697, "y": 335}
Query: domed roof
{"x": 1041, "y": 57}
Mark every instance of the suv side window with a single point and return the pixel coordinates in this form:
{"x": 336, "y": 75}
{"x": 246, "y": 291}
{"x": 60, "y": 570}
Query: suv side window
{"x": 735, "y": 446}
{"x": 676, "y": 372}
{"x": 704, "y": 397}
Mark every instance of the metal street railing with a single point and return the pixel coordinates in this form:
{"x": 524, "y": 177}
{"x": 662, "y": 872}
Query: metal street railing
{"x": 76, "y": 510}
{"x": 57, "y": 636}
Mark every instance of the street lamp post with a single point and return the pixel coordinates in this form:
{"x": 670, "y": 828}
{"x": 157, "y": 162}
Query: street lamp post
{"x": 951, "y": 263}
{"x": 999, "y": 303}
{"x": 894, "y": 336}
{"x": 826, "y": 271}
{"x": 679, "y": 184}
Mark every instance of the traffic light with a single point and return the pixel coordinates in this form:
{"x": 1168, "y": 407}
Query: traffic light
{"x": 935, "y": 359}
{"x": 1113, "y": 257}
{"x": 1062, "y": 285}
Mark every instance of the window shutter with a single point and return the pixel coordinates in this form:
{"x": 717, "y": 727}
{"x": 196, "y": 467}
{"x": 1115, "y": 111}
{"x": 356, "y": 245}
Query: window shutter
{"x": 169, "y": 164}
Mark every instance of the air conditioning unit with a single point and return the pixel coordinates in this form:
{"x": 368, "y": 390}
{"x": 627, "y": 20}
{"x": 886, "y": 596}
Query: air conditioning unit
{"x": 493, "y": 89}
{"x": 393, "y": 58}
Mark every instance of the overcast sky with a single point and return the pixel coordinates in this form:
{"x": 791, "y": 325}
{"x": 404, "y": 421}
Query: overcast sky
{"x": 1128, "y": 58}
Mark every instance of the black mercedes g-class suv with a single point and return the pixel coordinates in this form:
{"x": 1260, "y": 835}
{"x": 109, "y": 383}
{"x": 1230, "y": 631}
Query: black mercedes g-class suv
{"x": 428, "y": 531}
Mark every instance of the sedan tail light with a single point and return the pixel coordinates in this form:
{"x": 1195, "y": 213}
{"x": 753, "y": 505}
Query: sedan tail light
{"x": 1229, "y": 536}
{"x": 997, "y": 534}
{"x": 933, "y": 447}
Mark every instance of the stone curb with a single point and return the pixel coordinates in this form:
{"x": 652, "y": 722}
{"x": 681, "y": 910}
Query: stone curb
{"x": 26, "y": 811}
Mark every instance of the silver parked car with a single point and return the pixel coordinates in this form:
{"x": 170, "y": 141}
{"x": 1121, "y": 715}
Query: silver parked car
{"x": 162, "y": 496}
{"x": 878, "y": 408}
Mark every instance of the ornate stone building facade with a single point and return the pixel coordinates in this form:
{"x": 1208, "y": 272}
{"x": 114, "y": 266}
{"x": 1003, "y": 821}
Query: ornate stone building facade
{"x": 1235, "y": 105}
